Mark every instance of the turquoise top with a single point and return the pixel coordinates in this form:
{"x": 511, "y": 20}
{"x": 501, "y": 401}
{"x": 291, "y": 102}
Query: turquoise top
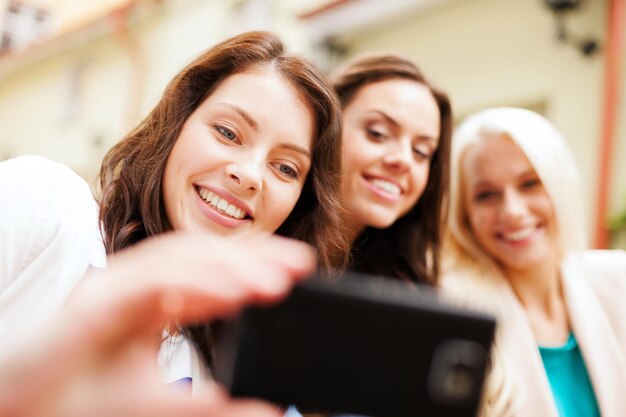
{"x": 569, "y": 380}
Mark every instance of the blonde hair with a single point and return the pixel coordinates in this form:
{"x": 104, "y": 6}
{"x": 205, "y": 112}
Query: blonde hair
{"x": 470, "y": 273}
{"x": 502, "y": 392}
{"x": 549, "y": 155}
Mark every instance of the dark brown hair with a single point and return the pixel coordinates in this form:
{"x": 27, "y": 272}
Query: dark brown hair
{"x": 410, "y": 248}
{"x": 132, "y": 207}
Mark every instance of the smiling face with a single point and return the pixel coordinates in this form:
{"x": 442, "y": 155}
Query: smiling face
{"x": 390, "y": 133}
{"x": 242, "y": 157}
{"x": 508, "y": 209}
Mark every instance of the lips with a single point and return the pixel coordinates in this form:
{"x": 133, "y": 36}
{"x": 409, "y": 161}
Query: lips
{"x": 225, "y": 205}
{"x": 384, "y": 184}
{"x": 518, "y": 235}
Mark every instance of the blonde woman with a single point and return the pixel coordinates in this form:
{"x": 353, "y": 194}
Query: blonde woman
{"x": 516, "y": 246}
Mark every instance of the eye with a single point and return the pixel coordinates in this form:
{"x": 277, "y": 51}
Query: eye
{"x": 376, "y": 135}
{"x": 228, "y": 134}
{"x": 530, "y": 183}
{"x": 486, "y": 195}
{"x": 287, "y": 170}
{"x": 422, "y": 152}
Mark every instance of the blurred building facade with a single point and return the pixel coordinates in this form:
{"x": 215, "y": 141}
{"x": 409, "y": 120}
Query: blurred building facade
{"x": 100, "y": 66}
{"x": 503, "y": 53}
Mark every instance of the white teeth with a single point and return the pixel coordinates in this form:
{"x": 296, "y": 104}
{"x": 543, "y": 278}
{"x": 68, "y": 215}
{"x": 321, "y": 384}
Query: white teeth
{"x": 386, "y": 186}
{"x": 519, "y": 235}
{"x": 222, "y": 205}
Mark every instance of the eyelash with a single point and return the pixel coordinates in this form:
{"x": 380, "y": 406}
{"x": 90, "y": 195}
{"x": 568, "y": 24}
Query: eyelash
{"x": 375, "y": 135}
{"x": 531, "y": 183}
{"x": 485, "y": 195}
{"x": 526, "y": 185}
{"x": 292, "y": 172}
{"x": 230, "y": 136}
{"x": 226, "y": 133}
{"x": 422, "y": 155}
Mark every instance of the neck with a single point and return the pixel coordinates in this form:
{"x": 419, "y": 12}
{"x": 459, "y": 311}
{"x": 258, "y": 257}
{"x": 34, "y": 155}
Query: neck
{"x": 539, "y": 290}
{"x": 353, "y": 231}
{"x": 536, "y": 287}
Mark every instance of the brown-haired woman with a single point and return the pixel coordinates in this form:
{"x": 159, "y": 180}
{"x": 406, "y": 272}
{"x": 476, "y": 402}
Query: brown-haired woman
{"x": 245, "y": 140}
{"x": 396, "y": 137}
{"x": 397, "y": 129}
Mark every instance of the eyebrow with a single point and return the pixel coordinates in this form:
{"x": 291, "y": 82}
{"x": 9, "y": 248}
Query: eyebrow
{"x": 529, "y": 173}
{"x": 244, "y": 114}
{"x": 523, "y": 175}
{"x": 255, "y": 126}
{"x": 295, "y": 148}
{"x": 481, "y": 184}
{"x": 393, "y": 122}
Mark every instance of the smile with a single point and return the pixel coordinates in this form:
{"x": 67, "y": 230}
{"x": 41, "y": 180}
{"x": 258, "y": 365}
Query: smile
{"x": 519, "y": 235}
{"x": 386, "y": 186}
{"x": 222, "y": 206}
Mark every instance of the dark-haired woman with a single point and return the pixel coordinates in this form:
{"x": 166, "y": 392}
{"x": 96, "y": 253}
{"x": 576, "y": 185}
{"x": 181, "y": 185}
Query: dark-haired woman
{"x": 396, "y": 137}
{"x": 396, "y": 143}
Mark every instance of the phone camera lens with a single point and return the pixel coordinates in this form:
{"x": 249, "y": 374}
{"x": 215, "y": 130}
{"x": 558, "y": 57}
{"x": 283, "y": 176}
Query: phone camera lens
{"x": 456, "y": 372}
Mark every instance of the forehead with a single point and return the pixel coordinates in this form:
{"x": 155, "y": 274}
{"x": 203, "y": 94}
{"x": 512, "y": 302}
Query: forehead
{"x": 494, "y": 158}
{"x": 256, "y": 80}
{"x": 410, "y": 102}
{"x": 268, "y": 98}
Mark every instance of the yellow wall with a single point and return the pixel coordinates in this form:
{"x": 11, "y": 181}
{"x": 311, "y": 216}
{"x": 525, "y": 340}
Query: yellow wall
{"x": 504, "y": 52}
{"x": 120, "y": 79}
{"x": 483, "y": 52}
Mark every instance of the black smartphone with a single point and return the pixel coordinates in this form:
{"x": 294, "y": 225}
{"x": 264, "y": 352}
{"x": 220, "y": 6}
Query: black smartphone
{"x": 359, "y": 345}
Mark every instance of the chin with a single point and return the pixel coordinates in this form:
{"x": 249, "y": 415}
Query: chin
{"x": 524, "y": 264}
{"x": 381, "y": 223}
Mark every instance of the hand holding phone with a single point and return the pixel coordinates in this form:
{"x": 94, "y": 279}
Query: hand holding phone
{"x": 359, "y": 345}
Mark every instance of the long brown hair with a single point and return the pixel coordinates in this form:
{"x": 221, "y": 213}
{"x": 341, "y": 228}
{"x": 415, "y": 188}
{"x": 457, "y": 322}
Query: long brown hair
{"x": 131, "y": 203}
{"x": 410, "y": 248}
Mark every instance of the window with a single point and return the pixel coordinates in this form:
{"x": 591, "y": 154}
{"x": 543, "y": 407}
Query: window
{"x": 22, "y": 25}
{"x": 14, "y": 7}
{"x": 5, "y": 43}
{"x": 249, "y": 15}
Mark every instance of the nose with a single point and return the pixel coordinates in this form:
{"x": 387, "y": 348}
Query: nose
{"x": 246, "y": 175}
{"x": 514, "y": 205}
{"x": 399, "y": 156}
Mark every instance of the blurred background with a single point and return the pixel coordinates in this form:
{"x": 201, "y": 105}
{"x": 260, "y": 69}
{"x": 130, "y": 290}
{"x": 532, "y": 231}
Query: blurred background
{"x": 76, "y": 75}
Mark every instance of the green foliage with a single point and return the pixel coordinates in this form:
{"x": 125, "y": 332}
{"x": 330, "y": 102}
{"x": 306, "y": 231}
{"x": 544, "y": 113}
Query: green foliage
{"x": 617, "y": 227}
{"x": 618, "y": 221}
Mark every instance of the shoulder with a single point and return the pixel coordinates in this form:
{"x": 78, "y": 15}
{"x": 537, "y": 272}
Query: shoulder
{"x": 35, "y": 169}
{"x": 605, "y": 269}
{"x": 34, "y": 187}
{"x": 604, "y": 257}
{"x": 28, "y": 167}
{"x": 32, "y": 178}
{"x": 43, "y": 203}
{"x": 473, "y": 287}
{"x": 605, "y": 272}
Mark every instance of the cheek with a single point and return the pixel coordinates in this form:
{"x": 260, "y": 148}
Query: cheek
{"x": 181, "y": 161}
{"x": 546, "y": 209}
{"x": 480, "y": 222}
{"x": 283, "y": 200}
{"x": 350, "y": 159}
{"x": 420, "y": 179}
{"x": 357, "y": 152}
{"x": 171, "y": 173}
